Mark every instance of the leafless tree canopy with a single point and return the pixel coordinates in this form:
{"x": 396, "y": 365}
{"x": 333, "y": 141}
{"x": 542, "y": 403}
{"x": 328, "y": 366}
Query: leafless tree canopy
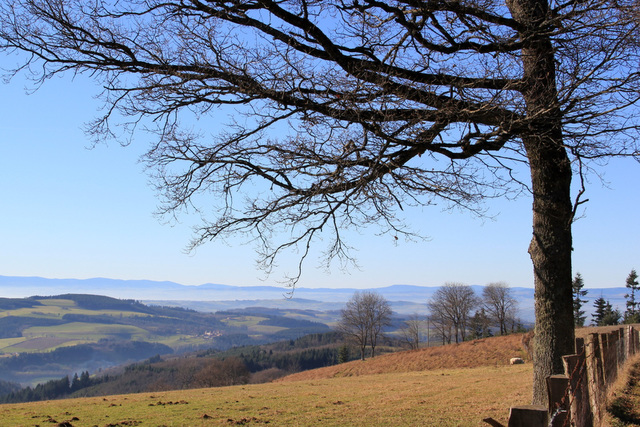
{"x": 363, "y": 318}
{"x": 450, "y": 309}
{"x": 412, "y": 331}
{"x": 347, "y": 111}
{"x": 500, "y": 305}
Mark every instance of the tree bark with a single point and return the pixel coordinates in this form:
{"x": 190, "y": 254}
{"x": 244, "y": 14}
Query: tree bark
{"x": 550, "y": 247}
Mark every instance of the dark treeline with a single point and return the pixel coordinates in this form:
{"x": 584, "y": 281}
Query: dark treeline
{"x": 54, "y": 389}
{"x": 210, "y": 368}
{"x": 7, "y": 387}
{"x": 308, "y": 352}
{"x": 16, "y": 303}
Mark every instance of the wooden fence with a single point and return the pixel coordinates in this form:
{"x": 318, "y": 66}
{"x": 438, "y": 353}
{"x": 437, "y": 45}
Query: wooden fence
{"x": 578, "y": 397}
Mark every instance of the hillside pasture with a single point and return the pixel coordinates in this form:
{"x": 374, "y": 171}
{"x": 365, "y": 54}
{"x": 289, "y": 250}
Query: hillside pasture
{"x": 57, "y": 302}
{"x": 242, "y": 321}
{"x": 88, "y": 331}
{"x": 179, "y": 342}
{"x": 455, "y": 397}
{"x": 494, "y": 352}
{"x": 53, "y": 311}
{"x": 265, "y": 329}
{"x": 455, "y": 385}
{"x": 7, "y": 343}
{"x": 39, "y": 344}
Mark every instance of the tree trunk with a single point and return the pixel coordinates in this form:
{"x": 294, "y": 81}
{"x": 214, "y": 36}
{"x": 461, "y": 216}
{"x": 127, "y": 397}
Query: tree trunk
{"x": 550, "y": 252}
{"x": 550, "y": 248}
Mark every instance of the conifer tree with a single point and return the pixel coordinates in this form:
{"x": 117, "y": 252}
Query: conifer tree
{"x": 611, "y": 316}
{"x": 600, "y": 306}
{"x": 343, "y": 354}
{"x": 605, "y": 314}
{"x": 632, "y": 315}
{"x": 578, "y": 314}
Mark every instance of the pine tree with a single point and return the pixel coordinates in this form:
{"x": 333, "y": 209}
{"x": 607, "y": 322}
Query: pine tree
{"x": 600, "y": 306}
{"x": 604, "y": 314}
{"x": 479, "y": 325}
{"x": 611, "y": 316}
{"x": 343, "y": 354}
{"x": 632, "y": 315}
{"x": 578, "y": 314}
{"x": 75, "y": 383}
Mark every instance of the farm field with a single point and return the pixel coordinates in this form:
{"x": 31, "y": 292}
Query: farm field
{"x": 45, "y": 324}
{"x": 442, "y": 397}
{"x": 47, "y": 338}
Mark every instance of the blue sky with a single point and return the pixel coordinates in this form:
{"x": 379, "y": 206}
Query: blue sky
{"x": 73, "y": 212}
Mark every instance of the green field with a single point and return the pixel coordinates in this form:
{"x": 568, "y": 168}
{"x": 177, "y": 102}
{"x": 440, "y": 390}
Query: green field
{"x": 87, "y": 331}
{"x": 242, "y": 321}
{"x": 56, "y": 308}
{"x": 48, "y": 338}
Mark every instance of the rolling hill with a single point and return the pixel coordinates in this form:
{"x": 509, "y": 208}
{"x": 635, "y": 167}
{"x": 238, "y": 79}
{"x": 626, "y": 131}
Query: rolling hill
{"x": 494, "y": 351}
{"x": 455, "y": 385}
{"x": 43, "y": 338}
{"x": 404, "y": 299}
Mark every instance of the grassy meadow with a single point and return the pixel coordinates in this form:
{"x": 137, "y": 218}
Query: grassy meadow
{"x": 443, "y": 397}
{"x": 454, "y": 385}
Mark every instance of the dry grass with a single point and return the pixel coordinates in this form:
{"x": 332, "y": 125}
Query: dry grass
{"x": 623, "y": 399}
{"x": 456, "y": 385}
{"x": 456, "y": 397}
{"x": 494, "y": 351}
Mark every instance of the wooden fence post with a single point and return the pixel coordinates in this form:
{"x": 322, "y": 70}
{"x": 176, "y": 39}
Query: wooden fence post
{"x": 595, "y": 377}
{"x": 579, "y": 397}
{"x": 575, "y": 369}
{"x": 528, "y": 416}
{"x": 622, "y": 354}
{"x": 609, "y": 348}
{"x": 627, "y": 342}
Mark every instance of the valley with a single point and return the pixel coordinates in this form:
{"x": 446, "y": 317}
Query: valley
{"x": 45, "y": 338}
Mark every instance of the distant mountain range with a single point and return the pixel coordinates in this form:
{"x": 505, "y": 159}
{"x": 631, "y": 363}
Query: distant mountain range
{"x": 406, "y": 299}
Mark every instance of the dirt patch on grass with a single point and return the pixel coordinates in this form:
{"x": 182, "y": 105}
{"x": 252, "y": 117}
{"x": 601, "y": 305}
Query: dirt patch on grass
{"x": 495, "y": 351}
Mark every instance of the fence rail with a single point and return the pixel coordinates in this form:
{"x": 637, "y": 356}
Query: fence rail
{"x": 578, "y": 397}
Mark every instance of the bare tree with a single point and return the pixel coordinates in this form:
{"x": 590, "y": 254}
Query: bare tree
{"x": 441, "y": 323}
{"x": 353, "y": 323}
{"x": 500, "y": 305}
{"x": 221, "y": 373}
{"x": 411, "y": 331}
{"x": 355, "y": 109}
{"x": 363, "y": 318}
{"x": 452, "y": 305}
{"x": 379, "y": 316}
